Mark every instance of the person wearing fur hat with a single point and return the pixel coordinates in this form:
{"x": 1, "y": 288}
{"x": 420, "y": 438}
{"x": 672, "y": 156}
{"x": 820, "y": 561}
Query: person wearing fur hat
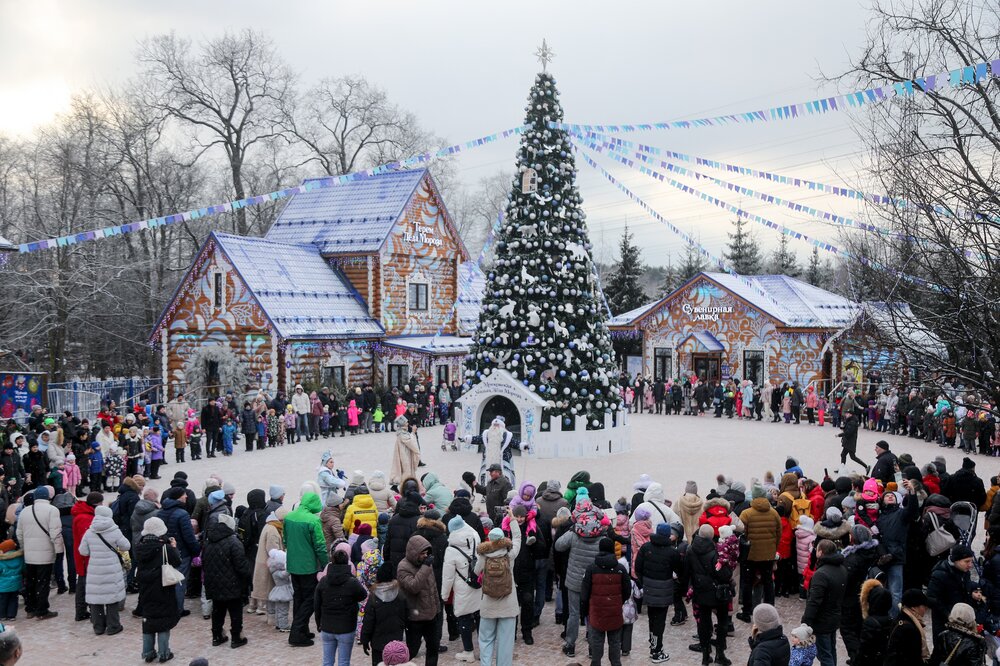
{"x": 157, "y": 602}
{"x": 227, "y": 575}
{"x": 605, "y": 589}
{"x": 763, "y": 530}
{"x": 875, "y": 603}
{"x": 106, "y": 546}
{"x": 951, "y": 583}
{"x": 656, "y": 565}
{"x": 907, "y": 642}
{"x": 581, "y": 542}
{"x": 960, "y": 641}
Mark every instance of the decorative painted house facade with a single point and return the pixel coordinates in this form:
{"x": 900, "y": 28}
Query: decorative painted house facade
{"x": 362, "y": 283}
{"x": 762, "y": 327}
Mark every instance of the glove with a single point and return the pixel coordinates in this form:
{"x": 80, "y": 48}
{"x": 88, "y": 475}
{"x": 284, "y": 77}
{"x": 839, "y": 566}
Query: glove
{"x": 341, "y": 474}
{"x": 196, "y": 561}
{"x": 429, "y": 561}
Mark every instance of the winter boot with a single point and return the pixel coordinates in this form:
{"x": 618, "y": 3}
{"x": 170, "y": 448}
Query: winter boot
{"x": 706, "y": 656}
{"x": 219, "y": 639}
{"x": 239, "y": 640}
{"x": 720, "y": 656}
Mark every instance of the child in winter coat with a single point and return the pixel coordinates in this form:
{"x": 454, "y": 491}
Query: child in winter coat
{"x": 378, "y": 416}
{"x": 95, "y": 465}
{"x": 155, "y": 446}
{"x": 279, "y": 599}
{"x": 262, "y": 431}
{"x": 804, "y": 538}
{"x": 11, "y": 569}
{"x": 642, "y": 529}
{"x": 821, "y": 410}
{"x": 324, "y": 421}
{"x": 352, "y": 417}
{"x": 866, "y": 512}
{"x": 180, "y": 441}
{"x": 114, "y": 468}
{"x": 803, "y": 646}
{"x": 229, "y": 431}
{"x": 194, "y": 439}
{"x": 728, "y": 547}
{"x": 291, "y": 423}
{"x": 70, "y": 474}
{"x": 192, "y": 423}
{"x": 448, "y": 437}
{"x": 275, "y": 429}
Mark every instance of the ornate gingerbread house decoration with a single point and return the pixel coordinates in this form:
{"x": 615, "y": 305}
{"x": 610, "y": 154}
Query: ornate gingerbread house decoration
{"x": 364, "y": 282}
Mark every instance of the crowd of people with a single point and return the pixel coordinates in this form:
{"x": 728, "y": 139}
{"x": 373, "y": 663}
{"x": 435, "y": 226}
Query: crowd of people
{"x": 389, "y": 562}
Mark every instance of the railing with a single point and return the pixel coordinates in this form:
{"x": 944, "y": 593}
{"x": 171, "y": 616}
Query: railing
{"x": 124, "y": 392}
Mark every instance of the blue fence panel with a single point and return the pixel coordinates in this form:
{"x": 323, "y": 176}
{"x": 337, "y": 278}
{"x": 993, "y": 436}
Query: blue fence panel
{"x": 125, "y": 392}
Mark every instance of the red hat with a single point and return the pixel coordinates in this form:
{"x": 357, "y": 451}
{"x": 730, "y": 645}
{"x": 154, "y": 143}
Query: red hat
{"x": 364, "y": 529}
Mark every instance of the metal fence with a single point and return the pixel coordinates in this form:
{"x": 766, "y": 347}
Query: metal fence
{"x": 79, "y": 396}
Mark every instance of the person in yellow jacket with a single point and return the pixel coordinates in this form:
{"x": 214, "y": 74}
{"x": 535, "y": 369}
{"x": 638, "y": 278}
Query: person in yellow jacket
{"x": 361, "y": 510}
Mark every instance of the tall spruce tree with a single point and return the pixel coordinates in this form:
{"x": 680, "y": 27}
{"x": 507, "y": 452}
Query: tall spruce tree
{"x": 623, "y": 288}
{"x": 742, "y": 252}
{"x": 693, "y": 263}
{"x": 669, "y": 282}
{"x": 783, "y": 260}
{"x": 816, "y": 273}
{"x": 542, "y": 315}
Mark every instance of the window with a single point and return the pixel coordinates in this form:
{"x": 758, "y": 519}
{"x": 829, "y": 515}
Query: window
{"x": 662, "y": 363}
{"x": 441, "y": 374}
{"x": 398, "y": 374}
{"x": 753, "y": 367}
{"x": 333, "y": 375}
{"x": 217, "y": 292}
{"x": 418, "y": 296}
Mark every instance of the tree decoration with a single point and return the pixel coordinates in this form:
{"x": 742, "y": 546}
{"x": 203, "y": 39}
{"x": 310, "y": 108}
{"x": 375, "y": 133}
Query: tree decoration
{"x": 542, "y": 314}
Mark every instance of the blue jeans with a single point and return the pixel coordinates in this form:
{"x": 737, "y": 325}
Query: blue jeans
{"x": 541, "y": 582}
{"x": 496, "y": 635}
{"x": 162, "y": 644}
{"x": 181, "y": 587}
{"x": 337, "y": 648}
{"x": 303, "y": 429}
{"x": 894, "y": 578}
{"x": 826, "y": 649}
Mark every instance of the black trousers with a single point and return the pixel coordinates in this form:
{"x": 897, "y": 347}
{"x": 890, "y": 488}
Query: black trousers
{"x": 303, "y": 591}
{"x": 36, "y": 588}
{"x": 249, "y": 437}
{"x": 234, "y": 607}
{"x": 429, "y": 631}
{"x": 705, "y": 626}
{"x": 526, "y": 598}
{"x": 657, "y": 623}
{"x": 212, "y": 442}
{"x": 747, "y": 573}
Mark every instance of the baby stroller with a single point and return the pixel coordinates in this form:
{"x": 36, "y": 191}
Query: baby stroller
{"x": 965, "y": 515}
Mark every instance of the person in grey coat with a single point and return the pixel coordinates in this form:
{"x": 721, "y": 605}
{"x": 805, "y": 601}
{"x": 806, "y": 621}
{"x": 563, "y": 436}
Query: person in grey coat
{"x": 145, "y": 508}
{"x": 583, "y": 544}
{"x": 103, "y": 543}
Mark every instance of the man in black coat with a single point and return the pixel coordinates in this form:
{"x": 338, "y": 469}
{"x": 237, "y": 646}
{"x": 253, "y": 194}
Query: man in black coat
{"x": 885, "y": 462}
{"x": 951, "y": 584}
{"x": 227, "y": 573}
{"x": 659, "y": 389}
{"x": 337, "y": 598}
{"x": 906, "y": 640}
{"x": 849, "y": 441}
{"x": 175, "y": 516}
{"x": 826, "y": 595}
{"x": 399, "y": 530}
{"x": 964, "y": 485}
{"x": 211, "y": 424}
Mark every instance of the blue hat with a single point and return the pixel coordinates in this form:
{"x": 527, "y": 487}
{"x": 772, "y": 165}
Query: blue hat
{"x": 41, "y": 492}
{"x": 216, "y": 497}
{"x": 495, "y": 534}
{"x": 663, "y": 529}
{"x": 455, "y": 524}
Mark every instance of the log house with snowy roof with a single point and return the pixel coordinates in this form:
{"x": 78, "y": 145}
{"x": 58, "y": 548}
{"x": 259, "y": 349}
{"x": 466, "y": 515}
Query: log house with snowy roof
{"x": 365, "y": 282}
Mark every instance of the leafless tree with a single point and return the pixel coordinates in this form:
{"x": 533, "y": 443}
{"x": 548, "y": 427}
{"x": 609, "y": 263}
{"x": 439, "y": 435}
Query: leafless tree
{"x": 940, "y": 152}
{"x": 475, "y": 209}
{"x": 232, "y": 93}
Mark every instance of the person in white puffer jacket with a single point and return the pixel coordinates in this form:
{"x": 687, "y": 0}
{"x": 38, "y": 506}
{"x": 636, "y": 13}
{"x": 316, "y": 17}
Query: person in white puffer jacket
{"x": 459, "y": 556}
{"x": 103, "y": 543}
{"x": 655, "y": 503}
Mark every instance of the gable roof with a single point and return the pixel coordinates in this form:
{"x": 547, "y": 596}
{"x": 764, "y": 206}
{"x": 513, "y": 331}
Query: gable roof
{"x": 705, "y": 340}
{"x": 794, "y": 303}
{"x": 354, "y": 217}
{"x": 302, "y": 295}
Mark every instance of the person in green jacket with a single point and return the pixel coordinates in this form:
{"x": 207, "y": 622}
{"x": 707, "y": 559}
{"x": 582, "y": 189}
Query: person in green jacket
{"x": 578, "y": 480}
{"x": 306, "y": 555}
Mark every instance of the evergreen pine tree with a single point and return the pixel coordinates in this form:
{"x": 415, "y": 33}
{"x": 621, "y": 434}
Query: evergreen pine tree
{"x": 814, "y": 272}
{"x": 693, "y": 264}
{"x": 623, "y": 289}
{"x": 742, "y": 252}
{"x": 670, "y": 281}
{"x": 542, "y": 316}
{"x": 783, "y": 260}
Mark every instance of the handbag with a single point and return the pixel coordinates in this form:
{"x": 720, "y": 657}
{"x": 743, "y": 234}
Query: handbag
{"x": 939, "y": 540}
{"x": 168, "y": 574}
{"x": 123, "y": 557}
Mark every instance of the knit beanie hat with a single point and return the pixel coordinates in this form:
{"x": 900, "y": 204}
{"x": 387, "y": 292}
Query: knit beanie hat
{"x": 41, "y": 493}
{"x": 174, "y": 493}
{"x": 105, "y": 512}
{"x": 663, "y": 529}
{"x": 757, "y": 491}
{"x": 706, "y": 531}
{"x": 606, "y": 545}
{"x": 691, "y": 488}
{"x": 334, "y": 498}
{"x": 432, "y": 514}
{"x": 806, "y": 522}
{"x": 455, "y": 524}
{"x": 519, "y": 511}
{"x": 553, "y": 485}
{"x": 834, "y": 515}
{"x": 766, "y": 617}
{"x": 849, "y": 504}
{"x": 228, "y": 489}
{"x": 621, "y": 506}
{"x": 804, "y": 634}
{"x": 642, "y": 513}
{"x": 216, "y": 497}
{"x": 395, "y": 653}
{"x": 364, "y": 529}
{"x": 827, "y": 485}
{"x": 384, "y": 573}
{"x": 358, "y": 478}
{"x": 739, "y": 487}
{"x": 726, "y": 531}
{"x": 275, "y": 492}
{"x": 154, "y": 526}
{"x": 960, "y": 552}
{"x": 861, "y": 534}
{"x": 582, "y": 493}
{"x": 968, "y": 463}
{"x": 95, "y": 498}
{"x": 495, "y": 534}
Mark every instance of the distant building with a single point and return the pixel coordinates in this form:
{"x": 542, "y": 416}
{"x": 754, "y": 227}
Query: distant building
{"x": 718, "y": 326}
{"x": 353, "y": 284}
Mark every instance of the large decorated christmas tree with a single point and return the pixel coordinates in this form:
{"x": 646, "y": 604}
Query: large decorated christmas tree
{"x": 543, "y": 316}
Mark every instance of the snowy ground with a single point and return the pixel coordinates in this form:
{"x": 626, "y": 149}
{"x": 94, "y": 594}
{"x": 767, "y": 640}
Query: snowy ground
{"x": 671, "y": 449}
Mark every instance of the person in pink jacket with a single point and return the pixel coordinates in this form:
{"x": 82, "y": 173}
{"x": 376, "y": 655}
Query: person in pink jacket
{"x": 804, "y": 537}
{"x": 812, "y": 402}
{"x": 352, "y": 417}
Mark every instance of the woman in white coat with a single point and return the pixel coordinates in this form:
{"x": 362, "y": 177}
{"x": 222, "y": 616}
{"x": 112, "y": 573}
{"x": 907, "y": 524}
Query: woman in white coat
{"x": 457, "y": 569}
{"x": 103, "y": 543}
{"x": 498, "y": 616}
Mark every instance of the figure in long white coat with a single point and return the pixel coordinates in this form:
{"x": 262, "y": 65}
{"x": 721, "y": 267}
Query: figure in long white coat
{"x": 497, "y": 449}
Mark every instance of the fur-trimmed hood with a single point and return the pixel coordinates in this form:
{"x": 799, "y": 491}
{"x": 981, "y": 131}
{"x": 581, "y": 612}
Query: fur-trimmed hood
{"x": 431, "y": 524}
{"x": 832, "y": 532}
{"x": 717, "y": 501}
{"x": 497, "y": 548}
{"x": 874, "y": 598}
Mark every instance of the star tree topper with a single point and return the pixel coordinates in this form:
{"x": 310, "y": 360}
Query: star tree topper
{"x": 545, "y": 54}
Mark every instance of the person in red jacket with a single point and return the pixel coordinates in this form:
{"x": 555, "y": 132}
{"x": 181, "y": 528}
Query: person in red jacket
{"x": 83, "y": 516}
{"x": 814, "y": 493}
{"x": 605, "y": 589}
{"x": 786, "y": 581}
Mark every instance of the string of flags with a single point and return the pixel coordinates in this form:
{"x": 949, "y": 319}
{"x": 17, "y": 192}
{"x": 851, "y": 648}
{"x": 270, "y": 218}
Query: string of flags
{"x": 770, "y": 224}
{"x": 793, "y": 181}
{"x": 236, "y": 204}
{"x": 967, "y": 75}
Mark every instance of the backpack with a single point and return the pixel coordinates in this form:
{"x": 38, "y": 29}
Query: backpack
{"x": 498, "y": 582}
{"x": 470, "y": 577}
{"x": 800, "y": 507}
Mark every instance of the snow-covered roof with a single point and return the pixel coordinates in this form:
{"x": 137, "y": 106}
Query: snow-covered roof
{"x": 353, "y": 217}
{"x": 302, "y": 295}
{"x": 896, "y": 320}
{"x": 471, "y": 282}
{"x": 706, "y": 340}
{"x": 431, "y": 344}
{"x": 626, "y": 318}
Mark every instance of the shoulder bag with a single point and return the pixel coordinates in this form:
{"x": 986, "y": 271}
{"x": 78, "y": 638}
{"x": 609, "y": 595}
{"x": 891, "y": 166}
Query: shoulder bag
{"x": 470, "y": 577}
{"x": 939, "y": 540}
{"x": 168, "y": 574}
{"x": 123, "y": 558}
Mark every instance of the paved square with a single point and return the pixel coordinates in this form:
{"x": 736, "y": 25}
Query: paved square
{"x": 671, "y": 449}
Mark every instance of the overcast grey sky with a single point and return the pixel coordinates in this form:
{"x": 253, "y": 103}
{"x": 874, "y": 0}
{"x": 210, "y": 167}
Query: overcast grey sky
{"x": 465, "y": 69}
